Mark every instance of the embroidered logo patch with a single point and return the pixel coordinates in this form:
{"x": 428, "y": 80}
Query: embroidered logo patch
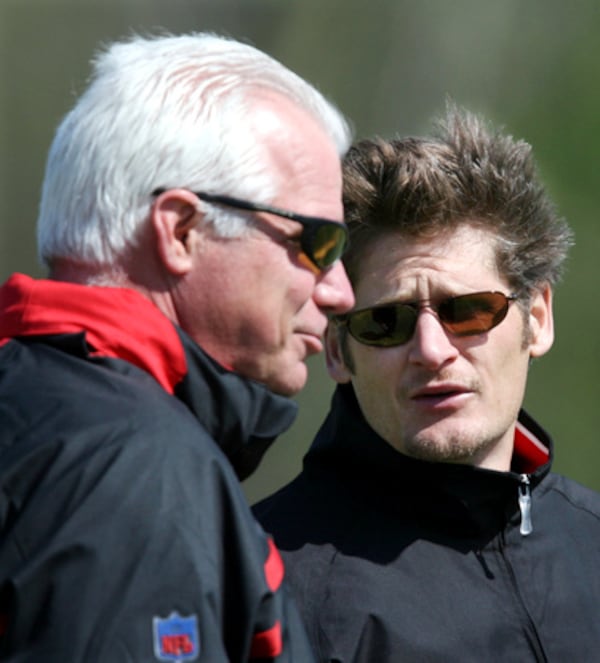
{"x": 176, "y": 638}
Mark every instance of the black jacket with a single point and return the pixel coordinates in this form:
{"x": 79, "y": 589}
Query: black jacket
{"x": 394, "y": 559}
{"x": 124, "y": 533}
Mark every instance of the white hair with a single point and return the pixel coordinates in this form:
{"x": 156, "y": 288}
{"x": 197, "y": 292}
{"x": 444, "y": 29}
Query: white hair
{"x": 163, "y": 111}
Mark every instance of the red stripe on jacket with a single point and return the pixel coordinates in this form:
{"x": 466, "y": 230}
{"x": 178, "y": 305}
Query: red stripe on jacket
{"x": 274, "y": 569}
{"x": 267, "y": 644}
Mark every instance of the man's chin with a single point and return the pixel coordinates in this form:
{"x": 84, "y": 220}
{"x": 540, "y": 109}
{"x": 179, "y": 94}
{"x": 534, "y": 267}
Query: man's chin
{"x": 288, "y": 382}
{"x": 443, "y": 447}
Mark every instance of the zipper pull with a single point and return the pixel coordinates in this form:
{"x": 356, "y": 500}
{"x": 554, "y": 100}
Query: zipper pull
{"x": 525, "y": 505}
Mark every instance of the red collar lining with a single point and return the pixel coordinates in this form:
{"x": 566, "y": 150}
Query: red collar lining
{"x": 530, "y": 451}
{"x": 117, "y": 322}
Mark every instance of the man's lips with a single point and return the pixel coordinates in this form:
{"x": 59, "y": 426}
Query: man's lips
{"x": 439, "y": 392}
{"x": 313, "y": 342}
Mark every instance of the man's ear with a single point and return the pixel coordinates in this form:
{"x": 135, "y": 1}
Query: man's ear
{"x": 173, "y": 216}
{"x": 541, "y": 322}
{"x": 334, "y": 355}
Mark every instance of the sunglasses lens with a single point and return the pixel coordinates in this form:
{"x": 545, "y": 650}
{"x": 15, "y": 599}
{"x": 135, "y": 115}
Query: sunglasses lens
{"x": 473, "y": 314}
{"x": 383, "y": 326}
{"x": 328, "y": 243}
{"x": 394, "y": 324}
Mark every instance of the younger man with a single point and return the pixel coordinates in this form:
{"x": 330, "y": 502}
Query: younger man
{"x": 426, "y": 524}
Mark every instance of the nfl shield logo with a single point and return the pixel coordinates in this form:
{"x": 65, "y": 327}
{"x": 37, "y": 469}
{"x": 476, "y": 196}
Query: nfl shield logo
{"x": 176, "y": 638}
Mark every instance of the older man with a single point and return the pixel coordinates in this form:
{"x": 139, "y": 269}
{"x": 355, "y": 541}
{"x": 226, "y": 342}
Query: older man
{"x": 426, "y": 524}
{"x": 191, "y": 224}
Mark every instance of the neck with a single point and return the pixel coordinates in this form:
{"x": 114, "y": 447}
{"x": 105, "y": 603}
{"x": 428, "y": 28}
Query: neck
{"x": 72, "y": 271}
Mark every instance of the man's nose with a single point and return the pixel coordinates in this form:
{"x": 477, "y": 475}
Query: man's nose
{"x": 431, "y": 345}
{"x": 333, "y": 292}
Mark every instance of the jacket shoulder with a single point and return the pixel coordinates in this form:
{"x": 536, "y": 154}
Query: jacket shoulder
{"x": 574, "y": 495}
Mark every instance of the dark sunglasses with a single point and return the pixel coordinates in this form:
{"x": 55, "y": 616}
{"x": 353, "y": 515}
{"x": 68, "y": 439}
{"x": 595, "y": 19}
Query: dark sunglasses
{"x": 394, "y": 324}
{"x": 323, "y": 241}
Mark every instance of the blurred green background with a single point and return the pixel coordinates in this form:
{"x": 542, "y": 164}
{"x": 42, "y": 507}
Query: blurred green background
{"x": 531, "y": 66}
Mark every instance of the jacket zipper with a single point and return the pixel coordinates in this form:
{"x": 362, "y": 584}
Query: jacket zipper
{"x": 534, "y": 639}
{"x": 525, "y": 505}
{"x": 525, "y": 529}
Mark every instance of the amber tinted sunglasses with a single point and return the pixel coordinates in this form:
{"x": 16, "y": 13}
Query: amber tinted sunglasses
{"x": 394, "y": 324}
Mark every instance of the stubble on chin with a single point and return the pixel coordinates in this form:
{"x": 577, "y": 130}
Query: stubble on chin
{"x": 453, "y": 448}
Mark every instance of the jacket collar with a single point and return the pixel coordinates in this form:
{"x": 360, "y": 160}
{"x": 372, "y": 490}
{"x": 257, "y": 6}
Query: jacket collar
{"x": 345, "y": 423}
{"x": 242, "y": 416}
{"x": 347, "y": 452}
{"x": 117, "y": 322}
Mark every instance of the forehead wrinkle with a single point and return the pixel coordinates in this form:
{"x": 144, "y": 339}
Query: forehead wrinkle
{"x": 403, "y": 269}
